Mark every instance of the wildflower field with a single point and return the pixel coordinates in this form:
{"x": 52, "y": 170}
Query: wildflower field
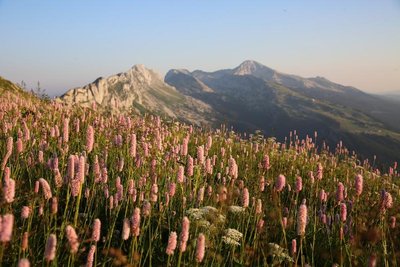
{"x": 82, "y": 189}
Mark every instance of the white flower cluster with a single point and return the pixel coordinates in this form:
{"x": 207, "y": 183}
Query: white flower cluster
{"x": 209, "y": 209}
{"x": 278, "y": 253}
{"x": 203, "y": 223}
{"x": 206, "y": 217}
{"x": 236, "y": 209}
{"x": 232, "y": 237}
{"x": 195, "y": 214}
{"x": 220, "y": 218}
{"x": 202, "y": 213}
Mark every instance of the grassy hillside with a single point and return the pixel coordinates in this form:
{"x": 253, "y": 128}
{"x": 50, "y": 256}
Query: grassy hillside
{"x": 81, "y": 188}
{"x": 7, "y": 86}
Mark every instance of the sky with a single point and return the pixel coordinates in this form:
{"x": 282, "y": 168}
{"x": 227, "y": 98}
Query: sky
{"x": 66, "y": 44}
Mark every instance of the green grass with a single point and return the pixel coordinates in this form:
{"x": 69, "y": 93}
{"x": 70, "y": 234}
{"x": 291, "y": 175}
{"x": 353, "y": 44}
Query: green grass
{"x": 366, "y": 230}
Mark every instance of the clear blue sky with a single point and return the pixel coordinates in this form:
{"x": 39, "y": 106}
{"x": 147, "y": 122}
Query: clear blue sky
{"x": 66, "y": 44}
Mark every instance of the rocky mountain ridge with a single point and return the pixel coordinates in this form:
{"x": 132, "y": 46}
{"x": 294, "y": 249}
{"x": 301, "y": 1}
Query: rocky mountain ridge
{"x": 138, "y": 90}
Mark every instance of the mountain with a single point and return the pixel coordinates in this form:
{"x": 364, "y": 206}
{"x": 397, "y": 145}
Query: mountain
{"x": 323, "y": 89}
{"x": 140, "y": 90}
{"x": 253, "y": 96}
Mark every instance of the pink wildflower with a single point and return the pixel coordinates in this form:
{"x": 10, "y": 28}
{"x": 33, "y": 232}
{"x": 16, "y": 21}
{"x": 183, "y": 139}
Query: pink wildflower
{"x": 25, "y": 241}
{"x": 343, "y": 212}
{"x": 261, "y": 184}
{"x": 184, "y": 237}
{"x": 126, "y": 229}
{"x": 25, "y": 212}
{"x": 89, "y": 139}
{"x": 311, "y": 176}
{"x": 245, "y": 198}
{"x": 259, "y": 206}
{"x": 72, "y": 238}
{"x": 71, "y": 167}
{"x": 294, "y": 247}
{"x": 50, "y": 250}
{"x": 135, "y": 222}
{"x": 189, "y": 167}
{"x": 146, "y": 208}
{"x": 20, "y": 147}
{"x": 132, "y": 148}
{"x": 280, "y": 182}
{"x": 200, "y": 195}
{"x": 358, "y": 184}
{"x": 200, "y": 155}
{"x": 302, "y": 219}
{"x": 6, "y": 227}
{"x": 65, "y": 130}
{"x": 387, "y": 201}
{"x": 171, "y": 189}
{"x": 320, "y": 171}
{"x": 284, "y": 222}
{"x": 8, "y": 152}
{"x": 81, "y": 169}
{"x": 200, "y": 248}
{"x": 372, "y": 260}
{"x": 24, "y": 263}
{"x": 260, "y": 225}
{"x": 96, "y": 230}
{"x": 265, "y": 163}
{"x": 40, "y": 156}
{"x": 90, "y": 257}
{"x": 299, "y": 184}
{"x": 9, "y": 191}
{"x": 171, "y": 243}
{"x": 45, "y": 188}
{"x": 154, "y": 193}
{"x": 392, "y": 222}
{"x": 340, "y": 192}
{"x": 54, "y": 205}
{"x": 57, "y": 178}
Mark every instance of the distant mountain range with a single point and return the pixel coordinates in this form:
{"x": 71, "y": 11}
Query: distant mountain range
{"x": 254, "y": 97}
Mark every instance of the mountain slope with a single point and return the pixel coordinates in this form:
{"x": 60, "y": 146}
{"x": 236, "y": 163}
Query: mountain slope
{"x": 323, "y": 89}
{"x": 7, "y": 87}
{"x": 252, "y": 96}
{"x": 14, "y": 95}
{"x": 140, "y": 90}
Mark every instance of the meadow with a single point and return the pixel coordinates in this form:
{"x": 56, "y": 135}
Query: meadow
{"x": 83, "y": 189}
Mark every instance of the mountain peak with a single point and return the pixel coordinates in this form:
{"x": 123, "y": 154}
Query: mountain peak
{"x": 251, "y": 67}
{"x": 144, "y": 74}
{"x": 139, "y": 67}
{"x": 251, "y": 63}
{"x": 248, "y": 67}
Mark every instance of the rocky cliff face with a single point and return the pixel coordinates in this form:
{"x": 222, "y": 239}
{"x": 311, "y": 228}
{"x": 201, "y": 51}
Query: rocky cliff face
{"x": 140, "y": 90}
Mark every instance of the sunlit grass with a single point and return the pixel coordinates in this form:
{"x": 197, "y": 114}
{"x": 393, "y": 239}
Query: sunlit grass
{"x": 124, "y": 198}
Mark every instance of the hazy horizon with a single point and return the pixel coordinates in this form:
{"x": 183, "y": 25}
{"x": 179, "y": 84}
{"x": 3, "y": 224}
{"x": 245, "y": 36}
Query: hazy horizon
{"x": 69, "y": 44}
